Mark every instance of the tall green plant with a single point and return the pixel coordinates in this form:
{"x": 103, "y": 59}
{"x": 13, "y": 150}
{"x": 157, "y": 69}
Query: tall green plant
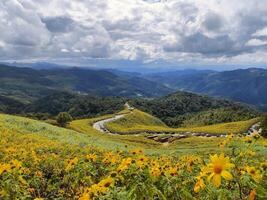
{"x": 63, "y": 119}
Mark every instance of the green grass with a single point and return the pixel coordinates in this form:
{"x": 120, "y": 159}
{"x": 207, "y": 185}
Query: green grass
{"x": 138, "y": 121}
{"x": 134, "y": 122}
{"x": 230, "y": 127}
{"x": 82, "y": 133}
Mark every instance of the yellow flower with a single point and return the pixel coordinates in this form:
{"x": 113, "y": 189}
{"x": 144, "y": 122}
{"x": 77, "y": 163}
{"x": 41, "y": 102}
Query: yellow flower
{"x": 255, "y": 174}
{"x": 218, "y": 168}
{"x": 71, "y": 163}
{"x": 141, "y": 161}
{"x": 98, "y": 188}
{"x": 114, "y": 159}
{"x": 172, "y": 171}
{"x": 85, "y": 196}
{"x": 250, "y": 153}
{"x": 91, "y": 157}
{"x": 247, "y": 139}
{"x": 155, "y": 171}
{"x": 190, "y": 162}
{"x": 264, "y": 165}
{"x": 199, "y": 185}
{"x": 125, "y": 163}
{"x": 136, "y": 151}
{"x": 230, "y": 136}
{"x": 16, "y": 164}
{"x": 4, "y": 168}
{"x": 39, "y": 198}
{"x": 106, "y": 183}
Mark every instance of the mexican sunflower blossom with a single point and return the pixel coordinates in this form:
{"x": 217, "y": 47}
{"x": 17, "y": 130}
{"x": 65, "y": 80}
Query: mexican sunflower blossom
{"x": 217, "y": 168}
{"x": 255, "y": 174}
{"x": 200, "y": 182}
{"x": 199, "y": 185}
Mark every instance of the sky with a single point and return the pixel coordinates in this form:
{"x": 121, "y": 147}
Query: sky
{"x": 177, "y": 32}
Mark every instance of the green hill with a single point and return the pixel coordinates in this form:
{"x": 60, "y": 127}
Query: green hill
{"x": 81, "y": 133}
{"x": 141, "y": 122}
{"x": 183, "y": 108}
{"x": 10, "y": 105}
{"x": 134, "y": 121}
{"x": 77, "y": 105}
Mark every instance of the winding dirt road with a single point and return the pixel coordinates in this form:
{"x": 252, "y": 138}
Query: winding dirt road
{"x": 100, "y": 125}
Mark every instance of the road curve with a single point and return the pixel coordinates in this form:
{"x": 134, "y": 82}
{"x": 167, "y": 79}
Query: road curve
{"x": 100, "y": 125}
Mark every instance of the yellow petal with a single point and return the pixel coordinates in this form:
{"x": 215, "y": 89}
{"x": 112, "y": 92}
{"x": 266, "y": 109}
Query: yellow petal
{"x": 214, "y": 158}
{"x": 216, "y": 180}
{"x": 210, "y": 176}
{"x": 225, "y": 174}
{"x": 229, "y": 165}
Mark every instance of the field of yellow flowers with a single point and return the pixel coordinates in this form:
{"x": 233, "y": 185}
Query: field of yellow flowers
{"x": 35, "y": 167}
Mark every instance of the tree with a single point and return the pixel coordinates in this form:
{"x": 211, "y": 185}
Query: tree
{"x": 264, "y": 125}
{"x": 63, "y": 119}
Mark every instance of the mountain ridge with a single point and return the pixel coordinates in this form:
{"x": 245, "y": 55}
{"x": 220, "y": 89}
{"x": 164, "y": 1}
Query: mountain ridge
{"x": 31, "y": 84}
{"x": 243, "y": 85}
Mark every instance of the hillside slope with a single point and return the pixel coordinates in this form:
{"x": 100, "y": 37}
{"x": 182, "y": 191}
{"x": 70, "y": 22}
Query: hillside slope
{"x": 244, "y": 85}
{"x": 29, "y": 84}
{"x": 82, "y": 133}
{"x": 76, "y": 105}
{"x": 176, "y": 108}
{"x": 43, "y": 163}
{"x": 141, "y": 122}
{"x": 134, "y": 121}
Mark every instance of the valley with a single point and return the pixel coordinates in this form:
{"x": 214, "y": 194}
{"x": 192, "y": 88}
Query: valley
{"x": 133, "y": 100}
{"x": 119, "y": 124}
{"x": 70, "y": 142}
{"x": 243, "y": 85}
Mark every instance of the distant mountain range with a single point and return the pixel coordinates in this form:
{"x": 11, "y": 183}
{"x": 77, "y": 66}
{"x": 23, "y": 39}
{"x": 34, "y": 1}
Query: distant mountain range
{"x": 244, "y": 85}
{"x": 29, "y": 84}
{"x": 87, "y": 92}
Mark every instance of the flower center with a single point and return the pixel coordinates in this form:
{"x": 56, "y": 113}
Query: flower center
{"x": 217, "y": 169}
{"x": 107, "y": 184}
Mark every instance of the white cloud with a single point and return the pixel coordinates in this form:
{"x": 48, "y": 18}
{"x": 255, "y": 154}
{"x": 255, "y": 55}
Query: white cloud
{"x": 262, "y": 32}
{"x": 65, "y": 50}
{"x": 256, "y": 42}
{"x": 144, "y": 30}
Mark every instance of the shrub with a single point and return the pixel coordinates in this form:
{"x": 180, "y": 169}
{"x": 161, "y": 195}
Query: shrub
{"x": 63, "y": 119}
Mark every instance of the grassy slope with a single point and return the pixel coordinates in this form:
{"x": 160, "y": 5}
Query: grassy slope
{"x": 138, "y": 121}
{"x": 188, "y": 145}
{"x": 83, "y": 134}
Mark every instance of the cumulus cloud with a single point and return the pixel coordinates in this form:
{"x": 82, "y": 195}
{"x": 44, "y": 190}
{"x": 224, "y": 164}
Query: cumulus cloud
{"x": 60, "y": 24}
{"x": 143, "y": 30}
